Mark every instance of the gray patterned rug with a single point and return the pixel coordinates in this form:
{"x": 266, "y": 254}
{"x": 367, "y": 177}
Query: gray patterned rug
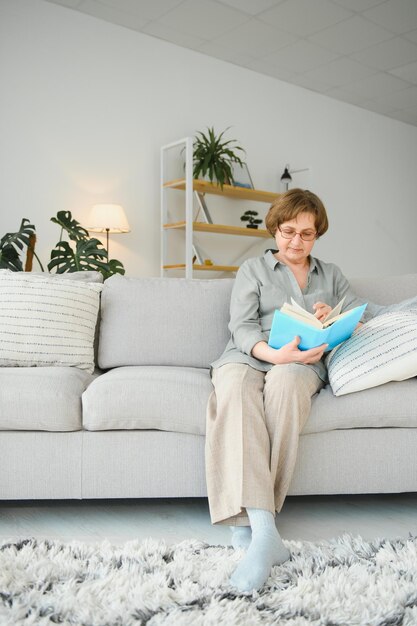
{"x": 343, "y": 582}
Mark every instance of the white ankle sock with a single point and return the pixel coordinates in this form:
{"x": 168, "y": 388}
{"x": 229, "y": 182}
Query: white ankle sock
{"x": 266, "y": 549}
{"x": 241, "y": 536}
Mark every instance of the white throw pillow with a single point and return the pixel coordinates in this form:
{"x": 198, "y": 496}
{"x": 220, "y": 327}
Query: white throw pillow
{"x": 45, "y": 321}
{"x": 85, "y": 276}
{"x": 382, "y": 350}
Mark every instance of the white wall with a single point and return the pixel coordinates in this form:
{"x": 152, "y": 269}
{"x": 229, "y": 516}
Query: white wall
{"x": 86, "y": 105}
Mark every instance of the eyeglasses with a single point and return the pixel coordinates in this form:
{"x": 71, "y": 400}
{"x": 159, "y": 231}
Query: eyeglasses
{"x": 290, "y": 233}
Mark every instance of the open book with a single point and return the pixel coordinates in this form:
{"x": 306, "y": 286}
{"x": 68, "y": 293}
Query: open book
{"x": 292, "y": 320}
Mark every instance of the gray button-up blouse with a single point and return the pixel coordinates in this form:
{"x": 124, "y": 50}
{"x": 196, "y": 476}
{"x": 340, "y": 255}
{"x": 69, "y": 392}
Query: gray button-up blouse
{"x": 262, "y": 285}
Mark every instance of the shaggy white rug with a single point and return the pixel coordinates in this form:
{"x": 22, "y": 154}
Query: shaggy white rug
{"x": 346, "y": 581}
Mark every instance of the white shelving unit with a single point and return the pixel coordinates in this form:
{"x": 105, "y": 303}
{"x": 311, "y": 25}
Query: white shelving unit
{"x": 188, "y": 186}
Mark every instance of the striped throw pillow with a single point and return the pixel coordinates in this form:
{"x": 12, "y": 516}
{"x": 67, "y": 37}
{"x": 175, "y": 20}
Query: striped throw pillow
{"x": 382, "y": 350}
{"x": 45, "y": 321}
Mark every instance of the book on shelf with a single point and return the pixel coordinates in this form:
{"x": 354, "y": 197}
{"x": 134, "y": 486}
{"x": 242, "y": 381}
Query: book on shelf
{"x": 292, "y": 320}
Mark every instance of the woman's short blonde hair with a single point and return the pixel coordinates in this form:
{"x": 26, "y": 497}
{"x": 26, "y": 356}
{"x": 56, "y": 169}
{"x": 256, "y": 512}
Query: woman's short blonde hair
{"x": 290, "y": 204}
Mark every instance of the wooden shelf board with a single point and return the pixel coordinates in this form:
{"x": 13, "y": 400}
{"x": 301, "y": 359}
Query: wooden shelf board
{"x": 223, "y": 229}
{"x": 210, "y": 268}
{"x": 204, "y": 186}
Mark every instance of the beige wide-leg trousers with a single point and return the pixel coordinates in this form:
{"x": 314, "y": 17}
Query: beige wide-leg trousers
{"x": 253, "y": 424}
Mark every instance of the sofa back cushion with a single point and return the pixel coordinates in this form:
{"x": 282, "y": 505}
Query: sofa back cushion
{"x": 385, "y": 289}
{"x": 163, "y": 321}
{"x": 175, "y": 321}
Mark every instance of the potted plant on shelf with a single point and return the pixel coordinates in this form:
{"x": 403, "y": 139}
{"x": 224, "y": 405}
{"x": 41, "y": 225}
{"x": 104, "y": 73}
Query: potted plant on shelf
{"x": 250, "y": 217}
{"x": 214, "y": 158}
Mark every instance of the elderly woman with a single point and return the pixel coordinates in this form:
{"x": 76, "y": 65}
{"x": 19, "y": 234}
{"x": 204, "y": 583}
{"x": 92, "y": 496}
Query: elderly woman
{"x": 262, "y": 396}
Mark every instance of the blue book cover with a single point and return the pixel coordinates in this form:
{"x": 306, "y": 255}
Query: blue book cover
{"x": 285, "y": 328}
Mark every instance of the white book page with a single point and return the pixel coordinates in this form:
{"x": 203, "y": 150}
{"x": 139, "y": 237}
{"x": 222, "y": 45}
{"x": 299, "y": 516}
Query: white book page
{"x": 311, "y": 321}
{"x": 334, "y": 319}
{"x": 299, "y": 309}
{"x": 297, "y": 312}
{"x": 334, "y": 312}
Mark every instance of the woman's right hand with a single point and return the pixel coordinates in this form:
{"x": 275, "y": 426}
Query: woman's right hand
{"x": 290, "y": 353}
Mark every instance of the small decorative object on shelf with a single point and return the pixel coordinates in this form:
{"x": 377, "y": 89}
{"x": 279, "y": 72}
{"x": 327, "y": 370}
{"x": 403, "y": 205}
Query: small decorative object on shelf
{"x": 214, "y": 157}
{"x": 241, "y": 176}
{"x": 250, "y": 216}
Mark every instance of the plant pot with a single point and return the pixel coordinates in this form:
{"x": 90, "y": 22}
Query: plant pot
{"x": 251, "y": 225}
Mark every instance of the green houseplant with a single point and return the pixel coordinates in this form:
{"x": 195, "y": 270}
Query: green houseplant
{"x": 215, "y": 157}
{"x": 13, "y": 244}
{"x": 84, "y": 253}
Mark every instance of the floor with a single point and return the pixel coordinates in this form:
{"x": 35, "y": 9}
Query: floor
{"x": 303, "y": 518}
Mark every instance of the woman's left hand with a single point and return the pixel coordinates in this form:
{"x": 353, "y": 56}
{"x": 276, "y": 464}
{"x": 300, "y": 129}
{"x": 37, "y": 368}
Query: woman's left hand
{"x": 321, "y": 310}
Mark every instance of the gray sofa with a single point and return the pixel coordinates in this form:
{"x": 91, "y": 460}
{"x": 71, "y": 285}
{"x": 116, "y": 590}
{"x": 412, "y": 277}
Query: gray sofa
{"x": 135, "y": 428}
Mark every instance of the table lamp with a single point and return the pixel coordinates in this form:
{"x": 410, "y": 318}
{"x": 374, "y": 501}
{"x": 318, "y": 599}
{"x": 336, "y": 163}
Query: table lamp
{"x": 108, "y": 218}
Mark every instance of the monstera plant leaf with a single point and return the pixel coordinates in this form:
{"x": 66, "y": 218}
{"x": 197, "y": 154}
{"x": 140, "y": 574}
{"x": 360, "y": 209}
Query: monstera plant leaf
{"x": 67, "y": 222}
{"x": 12, "y": 244}
{"x": 83, "y": 254}
{"x": 115, "y": 267}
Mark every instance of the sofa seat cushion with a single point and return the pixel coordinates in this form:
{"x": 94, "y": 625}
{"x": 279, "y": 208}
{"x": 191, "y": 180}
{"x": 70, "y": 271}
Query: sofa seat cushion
{"x": 148, "y": 397}
{"x": 390, "y": 405}
{"x": 42, "y": 398}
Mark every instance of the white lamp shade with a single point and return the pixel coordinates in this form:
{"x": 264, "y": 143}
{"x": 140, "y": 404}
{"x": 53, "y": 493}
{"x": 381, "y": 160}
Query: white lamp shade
{"x": 109, "y": 218}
